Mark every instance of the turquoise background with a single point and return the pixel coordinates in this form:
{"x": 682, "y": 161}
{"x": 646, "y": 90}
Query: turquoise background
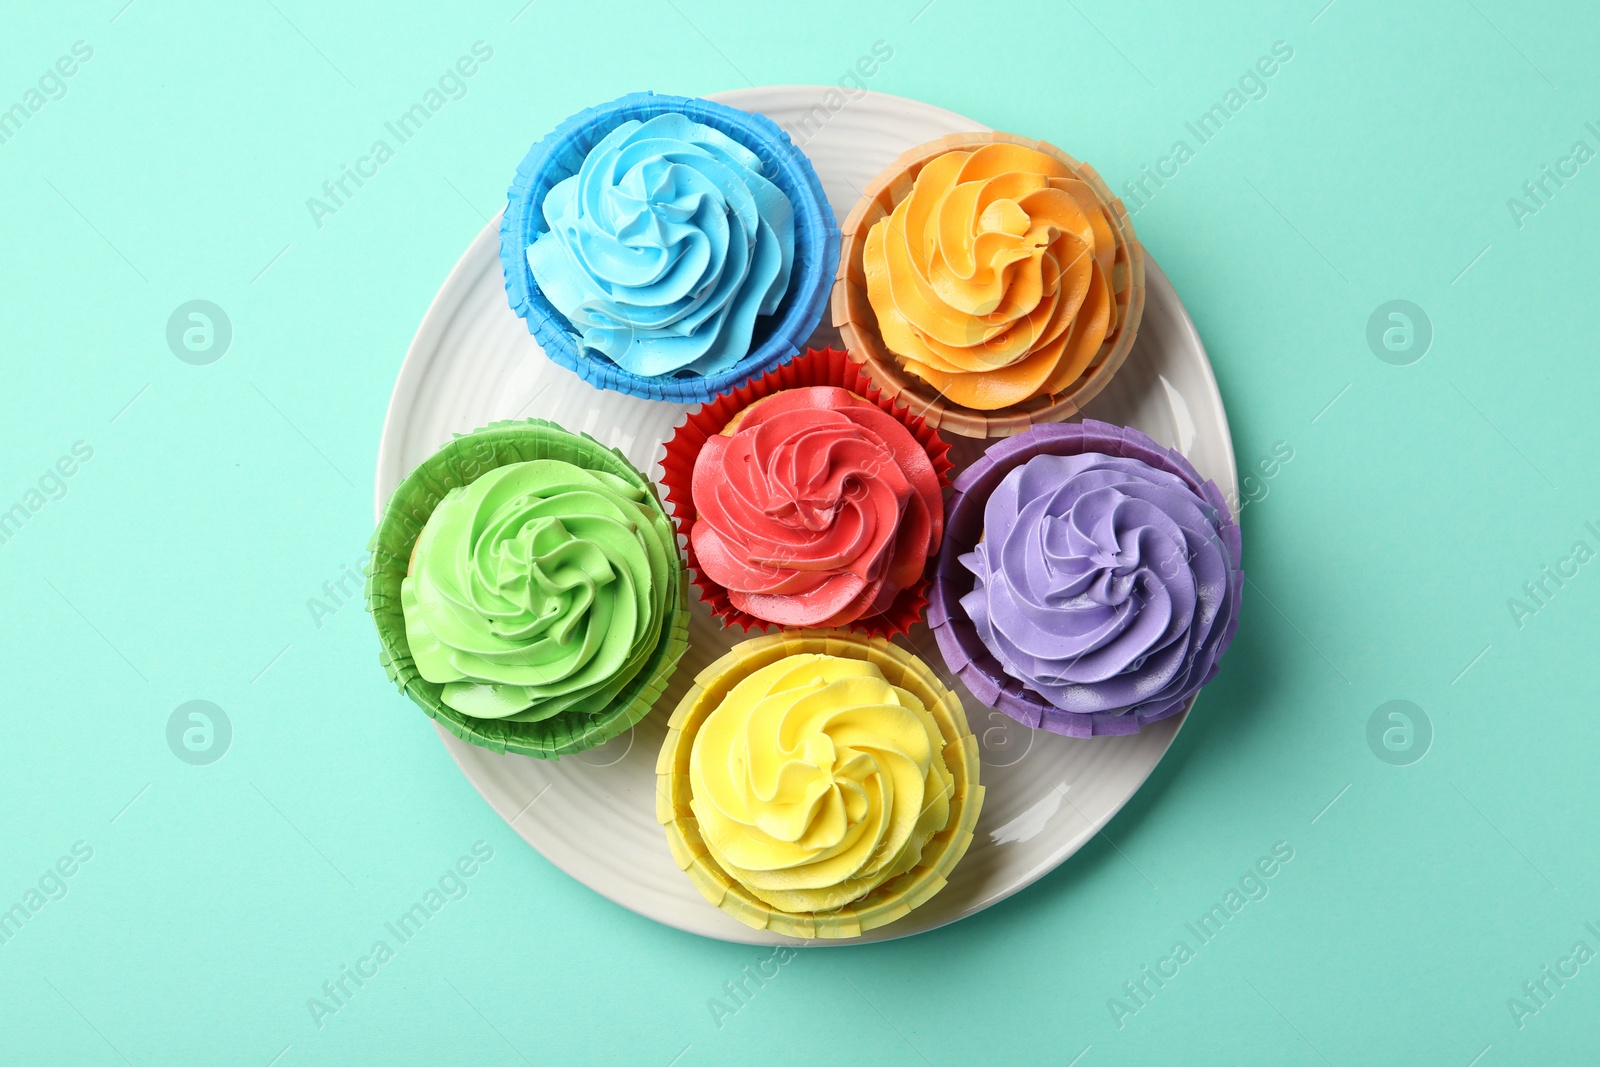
{"x": 179, "y": 561}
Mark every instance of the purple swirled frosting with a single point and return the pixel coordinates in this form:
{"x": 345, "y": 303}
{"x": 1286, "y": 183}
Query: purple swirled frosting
{"x": 1102, "y": 587}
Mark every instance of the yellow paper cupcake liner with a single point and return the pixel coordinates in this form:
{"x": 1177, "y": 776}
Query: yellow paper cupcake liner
{"x": 887, "y": 902}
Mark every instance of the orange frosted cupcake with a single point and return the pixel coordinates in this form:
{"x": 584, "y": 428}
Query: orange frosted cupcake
{"x": 989, "y": 282}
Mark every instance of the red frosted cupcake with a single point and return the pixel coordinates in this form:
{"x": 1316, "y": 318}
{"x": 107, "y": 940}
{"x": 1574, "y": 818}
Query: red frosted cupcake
{"x": 810, "y": 500}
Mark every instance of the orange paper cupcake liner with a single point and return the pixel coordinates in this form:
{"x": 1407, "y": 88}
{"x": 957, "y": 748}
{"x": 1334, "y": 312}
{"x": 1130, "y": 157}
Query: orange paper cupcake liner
{"x": 887, "y": 902}
{"x": 858, "y": 323}
{"x": 825, "y": 366}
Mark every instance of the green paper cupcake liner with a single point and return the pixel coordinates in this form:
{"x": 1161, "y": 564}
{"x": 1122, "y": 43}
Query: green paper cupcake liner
{"x": 460, "y": 463}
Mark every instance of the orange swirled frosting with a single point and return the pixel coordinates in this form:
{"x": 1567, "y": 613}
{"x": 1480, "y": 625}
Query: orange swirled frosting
{"x": 991, "y": 279}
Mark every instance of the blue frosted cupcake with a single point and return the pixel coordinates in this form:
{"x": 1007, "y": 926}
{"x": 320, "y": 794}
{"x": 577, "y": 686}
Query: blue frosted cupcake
{"x": 668, "y": 247}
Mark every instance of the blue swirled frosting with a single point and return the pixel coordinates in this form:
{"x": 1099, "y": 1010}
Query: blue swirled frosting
{"x": 665, "y": 247}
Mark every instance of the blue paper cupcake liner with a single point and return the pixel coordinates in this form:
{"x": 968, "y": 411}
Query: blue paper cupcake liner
{"x": 780, "y": 337}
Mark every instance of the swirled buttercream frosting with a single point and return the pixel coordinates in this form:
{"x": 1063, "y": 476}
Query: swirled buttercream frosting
{"x": 815, "y": 780}
{"x": 1102, "y": 584}
{"x": 665, "y": 247}
{"x": 991, "y": 278}
{"x": 539, "y": 589}
{"x": 815, "y": 508}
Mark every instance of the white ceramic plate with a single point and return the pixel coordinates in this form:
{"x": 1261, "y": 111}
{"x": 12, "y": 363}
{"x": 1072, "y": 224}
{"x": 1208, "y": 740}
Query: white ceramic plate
{"x": 593, "y": 814}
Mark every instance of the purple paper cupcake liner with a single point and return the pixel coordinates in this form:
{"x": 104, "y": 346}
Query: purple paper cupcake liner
{"x": 780, "y": 337}
{"x": 965, "y": 653}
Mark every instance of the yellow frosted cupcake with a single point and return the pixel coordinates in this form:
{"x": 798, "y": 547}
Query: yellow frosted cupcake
{"x": 817, "y": 783}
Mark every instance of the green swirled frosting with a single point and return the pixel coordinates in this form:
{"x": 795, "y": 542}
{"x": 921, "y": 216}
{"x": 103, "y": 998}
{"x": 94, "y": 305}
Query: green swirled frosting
{"x": 538, "y": 590}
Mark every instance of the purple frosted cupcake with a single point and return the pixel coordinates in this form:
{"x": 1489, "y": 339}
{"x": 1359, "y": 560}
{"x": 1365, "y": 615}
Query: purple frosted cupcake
{"x": 1089, "y": 581}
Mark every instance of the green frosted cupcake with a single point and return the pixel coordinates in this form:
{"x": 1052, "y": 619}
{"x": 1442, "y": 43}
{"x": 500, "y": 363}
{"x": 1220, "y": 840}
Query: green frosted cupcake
{"x": 527, "y": 590}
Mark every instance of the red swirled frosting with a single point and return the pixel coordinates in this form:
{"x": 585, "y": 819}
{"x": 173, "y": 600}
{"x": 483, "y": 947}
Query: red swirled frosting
{"x": 814, "y": 508}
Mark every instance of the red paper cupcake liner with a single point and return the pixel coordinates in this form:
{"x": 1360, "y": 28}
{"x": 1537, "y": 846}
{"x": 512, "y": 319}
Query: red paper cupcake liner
{"x": 825, "y": 366}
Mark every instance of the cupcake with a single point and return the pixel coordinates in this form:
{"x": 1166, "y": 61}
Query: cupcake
{"x": 990, "y": 282}
{"x": 527, "y": 590}
{"x": 818, "y": 784}
{"x": 1089, "y": 581}
{"x": 808, "y": 499}
{"x": 668, "y": 247}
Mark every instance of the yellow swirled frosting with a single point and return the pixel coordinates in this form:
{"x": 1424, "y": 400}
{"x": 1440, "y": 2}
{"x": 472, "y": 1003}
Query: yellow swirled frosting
{"x": 991, "y": 279}
{"x": 816, "y": 780}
